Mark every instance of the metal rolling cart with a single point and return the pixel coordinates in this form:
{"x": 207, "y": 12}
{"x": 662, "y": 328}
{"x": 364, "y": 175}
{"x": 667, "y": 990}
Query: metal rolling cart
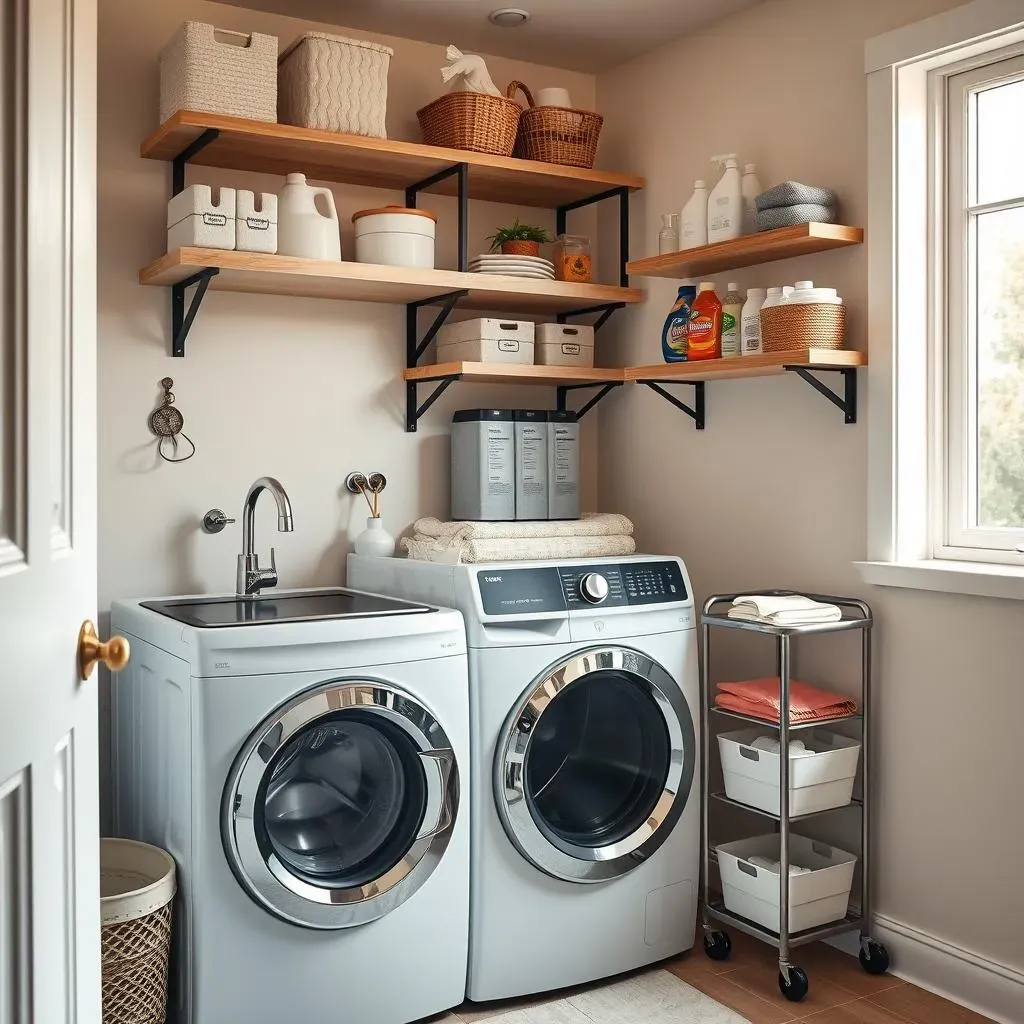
{"x": 874, "y": 958}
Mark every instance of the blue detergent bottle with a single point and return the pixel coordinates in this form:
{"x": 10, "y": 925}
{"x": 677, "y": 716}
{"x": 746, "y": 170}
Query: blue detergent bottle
{"x": 675, "y": 336}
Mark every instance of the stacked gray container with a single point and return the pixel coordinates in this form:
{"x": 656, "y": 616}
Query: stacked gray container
{"x": 483, "y": 465}
{"x": 531, "y": 463}
{"x": 563, "y": 465}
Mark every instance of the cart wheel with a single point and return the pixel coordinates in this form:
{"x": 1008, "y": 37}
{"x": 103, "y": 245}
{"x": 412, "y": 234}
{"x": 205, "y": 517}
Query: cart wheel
{"x": 796, "y": 988}
{"x": 874, "y": 957}
{"x": 717, "y": 946}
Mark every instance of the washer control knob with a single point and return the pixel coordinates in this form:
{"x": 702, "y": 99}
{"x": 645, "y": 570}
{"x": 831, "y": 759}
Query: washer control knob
{"x": 593, "y": 588}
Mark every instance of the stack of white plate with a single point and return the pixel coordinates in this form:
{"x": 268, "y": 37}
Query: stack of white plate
{"x": 513, "y": 266}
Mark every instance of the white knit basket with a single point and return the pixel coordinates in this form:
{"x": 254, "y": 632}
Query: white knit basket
{"x": 219, "y": 72}
{"x": 334, "y": 83}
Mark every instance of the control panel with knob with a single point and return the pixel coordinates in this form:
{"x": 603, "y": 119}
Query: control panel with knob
{"x": 593, "y": 588}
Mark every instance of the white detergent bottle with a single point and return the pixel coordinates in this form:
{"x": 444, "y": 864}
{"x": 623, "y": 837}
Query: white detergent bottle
{"x": 750, "y": 189}
{"x": 725, "y": 204}
{"x": 693, "y": 221}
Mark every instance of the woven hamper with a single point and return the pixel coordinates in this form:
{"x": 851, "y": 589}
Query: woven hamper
{"x": 474, "y": 121}
{"x": 334, "y": 83}
{"x": 558, "y": 135}
{"x": 137, "y": 885}
{"x": 219, "y": 72}
{"x": 803, "y": 325}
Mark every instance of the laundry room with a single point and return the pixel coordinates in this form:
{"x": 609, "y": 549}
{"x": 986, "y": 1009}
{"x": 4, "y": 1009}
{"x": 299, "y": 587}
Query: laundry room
{"x": 516, "y": 511}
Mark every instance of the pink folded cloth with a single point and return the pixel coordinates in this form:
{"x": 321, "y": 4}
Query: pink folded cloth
{"x": 760, "y": 698}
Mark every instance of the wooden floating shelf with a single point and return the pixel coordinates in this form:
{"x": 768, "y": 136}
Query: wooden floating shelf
{"x": 269, "y": 148}
{"x": 767, "y": 365}
{"x": 370, "y": 282}
{"x": 516, "y": 373}
{"x": 748, "y": 251}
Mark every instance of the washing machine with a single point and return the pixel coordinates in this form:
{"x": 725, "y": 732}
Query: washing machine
{"x": 585, "y": 809}
{"x": 304, "y": 758}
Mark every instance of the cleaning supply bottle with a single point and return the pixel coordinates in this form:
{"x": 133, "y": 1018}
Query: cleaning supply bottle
{"x": 668, "y": 239}
{"x": 750, "y": 322}
{"x": 675, "y": 336}
{"x": 732, "y": 311}
{"x": 705, "y": 337}
{"x": 750, "y": 189}
{"x": 725, "y": 204}
{"x": 693, "y": 221}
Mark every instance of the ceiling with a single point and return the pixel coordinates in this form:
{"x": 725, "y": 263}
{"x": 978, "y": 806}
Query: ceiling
{"x": 581, "y": 35}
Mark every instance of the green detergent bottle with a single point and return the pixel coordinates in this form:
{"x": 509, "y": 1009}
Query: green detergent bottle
{"x": 675, "y": 336}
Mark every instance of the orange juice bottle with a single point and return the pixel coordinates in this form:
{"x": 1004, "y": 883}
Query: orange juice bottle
{"x": 705, "y": 337}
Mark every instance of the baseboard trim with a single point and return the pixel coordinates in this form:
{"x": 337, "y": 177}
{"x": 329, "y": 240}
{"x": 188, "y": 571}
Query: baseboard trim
{"x": 987, "y": 986}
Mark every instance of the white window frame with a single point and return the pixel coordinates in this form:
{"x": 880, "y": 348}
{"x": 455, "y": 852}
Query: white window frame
{"x": 907, "y": 83}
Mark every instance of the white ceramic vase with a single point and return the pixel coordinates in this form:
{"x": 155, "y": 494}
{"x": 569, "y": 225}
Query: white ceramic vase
{"x": 375, "y": 540}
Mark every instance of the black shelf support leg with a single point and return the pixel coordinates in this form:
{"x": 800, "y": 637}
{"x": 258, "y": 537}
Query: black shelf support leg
{"x": 563, "y": 390}
{"x": 605, "y": 310}
{"x": 697, "y": 413}
{"x": 181, "y": 320}
{"x": 179, "y": 162}
{"x": 847, "y": 402}
{"x": 414, "y": 412}
{"x": 622, "y": 193}
{"x": 414, "y": 349}
{"x": 461, "y": 171}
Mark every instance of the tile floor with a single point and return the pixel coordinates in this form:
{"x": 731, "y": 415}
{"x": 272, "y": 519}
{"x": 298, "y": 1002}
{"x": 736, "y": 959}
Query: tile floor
{"x": 840, "y": 993}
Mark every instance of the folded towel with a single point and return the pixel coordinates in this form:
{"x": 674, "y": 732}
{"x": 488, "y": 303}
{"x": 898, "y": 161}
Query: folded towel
{"x": 791, "y": 216}
{"x": 514, "y": 549}
{"x": 604, "y": 524}
{"x": 793, "y": 193}
{"x": 787, "y": 610}
{"x": 760, "y": 698}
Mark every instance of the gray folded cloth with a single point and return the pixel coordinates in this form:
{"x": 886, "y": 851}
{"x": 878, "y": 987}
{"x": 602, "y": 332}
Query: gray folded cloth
{"x": 790, "y": 216}
{"x": 793, "y": 193}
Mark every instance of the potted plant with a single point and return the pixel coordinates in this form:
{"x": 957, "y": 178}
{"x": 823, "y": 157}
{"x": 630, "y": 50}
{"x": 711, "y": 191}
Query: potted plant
{"x": 519, "y": 239}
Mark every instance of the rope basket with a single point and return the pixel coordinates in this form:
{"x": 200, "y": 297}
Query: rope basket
{"x": 809, "y": 325}
{"x": 137, "y": 884}
{"x": 558, "y": 135}
{"x": 473, "y": 121}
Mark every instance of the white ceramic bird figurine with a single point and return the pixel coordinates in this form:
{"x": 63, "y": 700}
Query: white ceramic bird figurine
{"x": 471, "y": 70}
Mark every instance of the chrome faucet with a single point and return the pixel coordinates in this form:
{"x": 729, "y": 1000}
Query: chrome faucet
{"x": 251, "y": 578}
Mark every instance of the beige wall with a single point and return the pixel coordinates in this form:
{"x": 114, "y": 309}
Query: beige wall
{"x": 305, "y": 390}
{"x": 772, "y": 493}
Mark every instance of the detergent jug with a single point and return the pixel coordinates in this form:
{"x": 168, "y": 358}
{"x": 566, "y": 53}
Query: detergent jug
{"x": 302, "y": 228}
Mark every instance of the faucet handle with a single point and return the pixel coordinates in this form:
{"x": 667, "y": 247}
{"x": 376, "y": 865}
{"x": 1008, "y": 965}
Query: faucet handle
{"x": 273, "y": 562}
{"x": 268, "y": 577}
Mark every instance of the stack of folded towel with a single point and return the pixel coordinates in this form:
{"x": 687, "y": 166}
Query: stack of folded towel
{"x": 773, "y": 865}
{"x": 783, "y": 610}
{"x": 792, "y": 203}
{"x": 760, "y": 698}
{"x": 593, "y": 536}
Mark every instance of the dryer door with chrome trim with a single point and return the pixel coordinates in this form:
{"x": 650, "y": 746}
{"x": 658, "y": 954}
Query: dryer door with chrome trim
{"x": 340, "y": 804}
{"x": 595, "y": 764}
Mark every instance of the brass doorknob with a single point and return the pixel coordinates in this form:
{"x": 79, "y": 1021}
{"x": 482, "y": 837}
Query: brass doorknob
{"x": 114, "y": 653}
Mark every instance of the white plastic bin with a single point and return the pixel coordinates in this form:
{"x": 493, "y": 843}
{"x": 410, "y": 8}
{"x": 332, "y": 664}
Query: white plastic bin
{"x": 486, "y": 340}
{"x": 198, "y": 217}
{"x": 256, "y": 221}
{"x": 817, "y": 781}
{"x": 816, "y": 898}
{"x": 565, "y": 345}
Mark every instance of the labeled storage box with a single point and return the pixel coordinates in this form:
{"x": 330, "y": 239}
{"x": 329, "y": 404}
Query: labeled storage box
{"x": 335, "y": 83}
{"x": 255, "y": 221}
{"x": 202, "y": 217}
{"x": 817, "y": 897}
{"x": 564, "y": 345}
{"x": 483, "y": 465}
{"x": 219, "y": 72}
{"x": 817, "y": 781}
{"x": 486, "y": 340}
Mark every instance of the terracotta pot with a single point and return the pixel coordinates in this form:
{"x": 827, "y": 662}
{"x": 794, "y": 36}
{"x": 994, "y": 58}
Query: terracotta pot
{"x": 520, "y": 248}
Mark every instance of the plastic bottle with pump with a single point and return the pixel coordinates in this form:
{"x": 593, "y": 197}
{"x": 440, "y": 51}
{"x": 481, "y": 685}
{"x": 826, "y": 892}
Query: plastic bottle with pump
{"x": 725, "y": 204}
{"x": 732, "y": 310}
{"x": 693, "y": 221}
{"x": 750, "y": 189}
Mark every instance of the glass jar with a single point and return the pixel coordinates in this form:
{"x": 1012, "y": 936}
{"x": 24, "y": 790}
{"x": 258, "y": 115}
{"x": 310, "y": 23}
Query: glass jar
{"x": 573, "y": 261}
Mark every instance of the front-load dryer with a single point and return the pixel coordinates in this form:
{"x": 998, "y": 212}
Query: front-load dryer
{"x": 586, "y": 819}
{"x": 304, "y": 758}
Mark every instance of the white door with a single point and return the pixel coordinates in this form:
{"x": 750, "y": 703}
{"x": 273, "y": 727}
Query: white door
{"x": 49, "y": 886}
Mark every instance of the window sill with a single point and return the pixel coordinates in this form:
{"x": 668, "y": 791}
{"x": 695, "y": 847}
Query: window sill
{"x": 979, "y": 579}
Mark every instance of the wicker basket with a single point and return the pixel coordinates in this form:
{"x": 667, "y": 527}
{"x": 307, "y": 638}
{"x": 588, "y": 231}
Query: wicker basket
{"x": 219, "y": 72}
{"x": 558, "y": 135}
{"x": 473, "y": 121}
{"x": 807, "y": 325}
{"x": 137, "y": 886}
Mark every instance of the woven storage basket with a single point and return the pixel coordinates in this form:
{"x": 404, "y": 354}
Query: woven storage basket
{"x": 473, "y": 121}
{"x": 558, "y": 135}
{"x": 335, "y": 83}
{"x": 137, "y": 884}
{"x": 219, "y": 72}
{"x": 808, "y": 325}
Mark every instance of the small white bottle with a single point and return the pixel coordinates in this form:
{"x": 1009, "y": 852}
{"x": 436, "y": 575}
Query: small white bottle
{"x": 750, "y": 189}
{"x": 750, "y": 322}
{"x": 693, "y": 221}
{"x": 772, "y": 297}
{"x": 732, "y": 311}
{"x": 668, "y": 238}
{"x": 725, "y": 204}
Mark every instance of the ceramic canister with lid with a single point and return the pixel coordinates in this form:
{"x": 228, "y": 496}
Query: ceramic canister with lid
{"x": 395, "y": 236}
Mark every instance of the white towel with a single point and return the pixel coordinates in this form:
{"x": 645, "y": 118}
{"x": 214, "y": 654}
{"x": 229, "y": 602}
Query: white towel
{"x": 511, "y": 549}
{"x": 603, "y": 524}
{"x": 791, "y": 610}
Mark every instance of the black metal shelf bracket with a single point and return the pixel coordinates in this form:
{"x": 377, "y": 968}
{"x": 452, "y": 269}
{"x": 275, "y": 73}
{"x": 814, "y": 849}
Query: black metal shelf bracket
{"x": 605, "y": 310}
{"x": 564, "y": 389}
{"x": 413, "y": 412}
{"x": 181, "y": 319}
{"x": 414, "y": 349}
{"x": 847, "y": 402}
{"x": 178, "y": 163}
{"x": 622, "y": 194}
{"x": 462, "y": 173}
{"x": 696, "y": 413}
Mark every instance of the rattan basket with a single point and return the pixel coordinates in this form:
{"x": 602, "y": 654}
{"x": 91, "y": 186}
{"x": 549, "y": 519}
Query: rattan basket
{"x": 558, "y": 135}
{"x": 473, "y": 121}
{"x": 137, "y": 884}
{"x": 803, "y": 325}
